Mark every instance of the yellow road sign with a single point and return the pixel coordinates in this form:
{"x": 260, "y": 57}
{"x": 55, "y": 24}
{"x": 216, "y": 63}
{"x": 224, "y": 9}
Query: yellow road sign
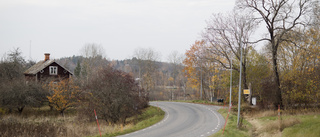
{"x": 246, "y": 91}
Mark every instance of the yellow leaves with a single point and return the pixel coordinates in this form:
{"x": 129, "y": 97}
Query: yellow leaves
{"x": 64, "y": 94}
{"x": 192, "y": 62}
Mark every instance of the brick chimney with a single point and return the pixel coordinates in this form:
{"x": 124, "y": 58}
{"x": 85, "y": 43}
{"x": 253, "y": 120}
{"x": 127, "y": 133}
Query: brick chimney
{"x": 46, "y": 56}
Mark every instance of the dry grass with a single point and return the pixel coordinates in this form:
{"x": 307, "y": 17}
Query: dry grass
{"x": 266, "y": 123}
{"x": 43, "y": 122}
{"x": 18, "y": 126}
{"x": 275, "y": 125}
{"x": 13, "y": 125}
{"x": 267, "y": 113}
{"x": 266, "y": 128}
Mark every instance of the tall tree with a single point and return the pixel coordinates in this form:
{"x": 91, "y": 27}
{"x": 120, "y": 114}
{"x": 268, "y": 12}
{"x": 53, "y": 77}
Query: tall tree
{"x": 200, "y": 71}
{"x": 94, "y": 59}
{"x": 192, "y": 62}
{"x": 77, "y": 70}
{"x": 280, "y": 18}
{"x": 226, "y": 34}
{"x": 147, "y": 59}
{"x": 175, "y": 60}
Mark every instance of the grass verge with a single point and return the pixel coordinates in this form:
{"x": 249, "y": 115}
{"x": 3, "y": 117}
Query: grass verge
{"x": 150, "y": 116}
{"x": 231, "y": 129}
{"x": 292, "y": 125}
{"x": 309, "y": 127}
{"x": 266, "y": 123}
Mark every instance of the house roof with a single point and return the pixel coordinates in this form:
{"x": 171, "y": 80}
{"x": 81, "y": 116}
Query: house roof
{"x": 41, "y": 65}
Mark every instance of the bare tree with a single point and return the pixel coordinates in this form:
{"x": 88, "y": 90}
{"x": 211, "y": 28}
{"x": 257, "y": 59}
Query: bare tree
{"x": 225, "y": 35}
{"x": 115, "y": 95}
{"x": 147, "y": 59}
{"x": 175, "y": 60}
{"x": 92, "y": 50}
{"x": 94, "y": 58}
{"x": 15, "y": 92}
{"x": 280, "y": 18}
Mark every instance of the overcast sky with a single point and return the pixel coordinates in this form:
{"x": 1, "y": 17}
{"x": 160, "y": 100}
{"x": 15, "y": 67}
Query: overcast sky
{"x": 63, "y": 27}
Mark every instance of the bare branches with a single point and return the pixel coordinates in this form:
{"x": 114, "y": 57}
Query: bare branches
{"x": 281, "y": 17}
{"x": 226, "y": 34}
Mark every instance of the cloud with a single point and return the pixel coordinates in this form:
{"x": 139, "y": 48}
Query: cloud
{"x": 119, "y": 25}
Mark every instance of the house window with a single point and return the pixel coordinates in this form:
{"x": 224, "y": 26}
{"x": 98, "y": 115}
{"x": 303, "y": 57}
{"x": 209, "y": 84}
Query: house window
{"x": 53, "y": 70}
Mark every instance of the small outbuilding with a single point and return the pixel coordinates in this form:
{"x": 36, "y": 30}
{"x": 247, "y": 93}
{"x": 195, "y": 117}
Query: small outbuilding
{"x": 47, "y": 70}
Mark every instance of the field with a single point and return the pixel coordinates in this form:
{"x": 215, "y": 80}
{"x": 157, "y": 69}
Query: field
{"x": 43, "y": 122}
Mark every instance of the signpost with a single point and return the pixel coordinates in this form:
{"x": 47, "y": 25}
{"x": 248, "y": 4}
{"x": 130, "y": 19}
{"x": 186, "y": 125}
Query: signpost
{"x": 97, "y": 121}
{"x": 254, "y": 101}
{"x": 246, "y": 91}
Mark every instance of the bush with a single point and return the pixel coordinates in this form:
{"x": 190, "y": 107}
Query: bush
{"x": 16, "y": 94}
{"x": 115, "y": 95}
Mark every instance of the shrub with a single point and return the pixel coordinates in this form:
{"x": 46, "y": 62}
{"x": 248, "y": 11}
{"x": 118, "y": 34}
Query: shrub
{"x": 115, "y": 95}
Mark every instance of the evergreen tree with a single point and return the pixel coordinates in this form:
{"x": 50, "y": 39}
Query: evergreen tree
{"x": 77, "y": 70}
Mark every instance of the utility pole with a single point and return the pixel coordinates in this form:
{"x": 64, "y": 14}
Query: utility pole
{"x": 201, "y": 83}
{"x": 139, "y": 82}
{"x": 230, "y": 83}
{"x": 30, "y": 51}
{"x": 239, "y": 100}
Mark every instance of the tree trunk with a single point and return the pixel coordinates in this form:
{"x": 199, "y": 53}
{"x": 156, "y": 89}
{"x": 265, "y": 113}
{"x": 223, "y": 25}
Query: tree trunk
{"x": 278, "y": 95}
{"x": 244, "y": 77}
{"x": 62, "y": 112}
{"x": 20, "y": 109}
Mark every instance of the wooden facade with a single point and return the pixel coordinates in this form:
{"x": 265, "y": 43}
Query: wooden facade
{"x": 47, "y": 70}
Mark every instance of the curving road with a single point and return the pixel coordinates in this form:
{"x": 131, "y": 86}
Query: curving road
{"x": 183, "y": 120}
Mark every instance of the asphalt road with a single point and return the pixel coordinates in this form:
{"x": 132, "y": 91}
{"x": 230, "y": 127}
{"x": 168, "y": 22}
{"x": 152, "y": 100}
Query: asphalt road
{"x": 183, "y": 120}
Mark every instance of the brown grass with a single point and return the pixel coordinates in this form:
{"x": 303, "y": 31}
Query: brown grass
{"x": 275, "y": 125}
{"x": 42, "y": 126}
{"x": 13, "y": 125}
{"x": 255, "y": 112}
{"x": 265, "y": 122}
{"x": 43, "y": 122}
{"x": 267, "y": 113}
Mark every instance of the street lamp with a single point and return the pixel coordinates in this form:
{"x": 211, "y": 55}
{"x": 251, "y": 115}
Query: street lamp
{"x": 201, "y": 83}
{"x": 239, "y": 101}
{"x": 230, "y": 83}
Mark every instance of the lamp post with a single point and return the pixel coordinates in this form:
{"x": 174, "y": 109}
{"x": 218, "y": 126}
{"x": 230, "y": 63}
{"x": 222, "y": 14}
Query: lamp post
{"x": 240, "y": 82}
{"x": 230, "y": 83}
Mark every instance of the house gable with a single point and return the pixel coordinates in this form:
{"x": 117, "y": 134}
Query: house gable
{"x": 47, "y": 70}
{"x": 61, "y": 72}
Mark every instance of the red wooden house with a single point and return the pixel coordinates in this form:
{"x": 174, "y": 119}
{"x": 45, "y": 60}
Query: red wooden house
{"x": 47, "y": 70}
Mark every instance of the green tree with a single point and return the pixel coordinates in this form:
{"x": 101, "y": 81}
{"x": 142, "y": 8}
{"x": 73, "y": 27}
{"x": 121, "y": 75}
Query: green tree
{"x": 77, "y": 70}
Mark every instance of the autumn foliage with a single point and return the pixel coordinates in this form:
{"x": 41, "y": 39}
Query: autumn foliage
{"x": 65, "y": 94}
{"x": 298, "y": 63}
{"x": 192, "y": 62}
